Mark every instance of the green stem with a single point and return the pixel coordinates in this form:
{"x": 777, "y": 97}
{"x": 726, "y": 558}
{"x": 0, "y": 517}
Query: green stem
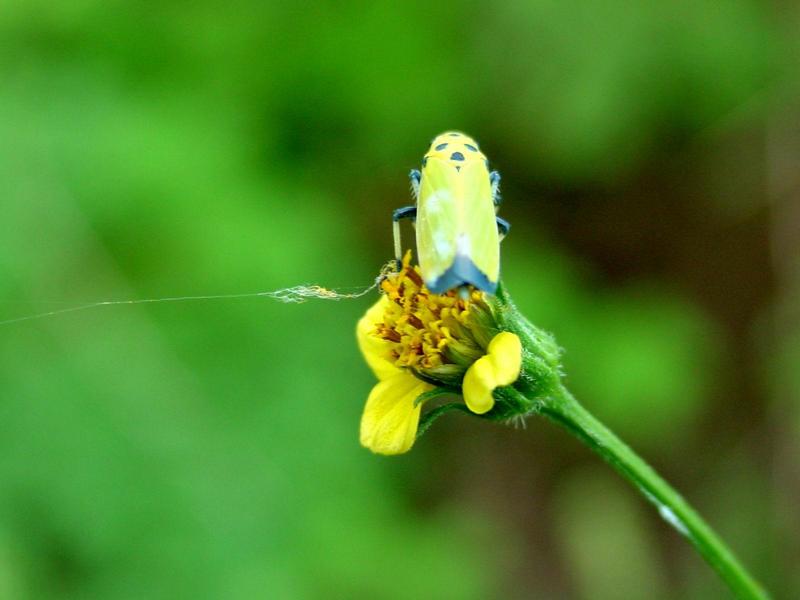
{"x": 567, "y": 412}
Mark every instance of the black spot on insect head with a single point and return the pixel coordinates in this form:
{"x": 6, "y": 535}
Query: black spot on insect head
{"x": 455, "y": 135}
{"x": 424, "y": 162}
{"x": 458, "y": 168}
{"x": 441, "y": 146}
{"x": 471, "y": 147}
{"x": 456, "y": 156}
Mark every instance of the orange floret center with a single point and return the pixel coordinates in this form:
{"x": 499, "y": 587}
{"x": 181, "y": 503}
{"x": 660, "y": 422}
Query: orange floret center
{"x": 418, "y": 324}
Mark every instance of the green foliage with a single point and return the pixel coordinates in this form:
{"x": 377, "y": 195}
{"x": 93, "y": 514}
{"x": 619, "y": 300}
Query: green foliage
{"x": 156, "y": 149}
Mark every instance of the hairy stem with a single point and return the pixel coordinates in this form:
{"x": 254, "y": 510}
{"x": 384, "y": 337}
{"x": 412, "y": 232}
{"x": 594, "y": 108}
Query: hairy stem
{"x": 567, "y": 412}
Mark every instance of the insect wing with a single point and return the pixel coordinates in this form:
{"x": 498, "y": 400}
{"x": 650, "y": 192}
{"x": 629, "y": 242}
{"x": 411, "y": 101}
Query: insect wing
{"x": 477, "y": 237}
{"x": 439, "y": 218}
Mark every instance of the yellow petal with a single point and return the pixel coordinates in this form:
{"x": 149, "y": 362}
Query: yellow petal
{"x": 478, "y": 384}
{"x": 500, "y": 366}
{"x": 390, "y": 419}
{"x": 376, "y": 351}
{"x": 505, "y": 351}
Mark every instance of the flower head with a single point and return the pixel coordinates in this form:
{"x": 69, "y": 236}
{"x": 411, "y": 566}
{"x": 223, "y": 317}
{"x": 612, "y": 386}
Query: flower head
{"x": 420, "y": 345}
{"x": 431, "y": 334}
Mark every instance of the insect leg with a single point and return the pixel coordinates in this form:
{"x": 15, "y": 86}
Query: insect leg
{"x": 503, "y": 227}
{"x": 494, "y": 180}
{"x": 407, "y": 212}
{"x": 415, "y": 176}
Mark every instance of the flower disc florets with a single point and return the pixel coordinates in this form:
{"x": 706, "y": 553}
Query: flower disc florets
{"x": 438, "y": 336}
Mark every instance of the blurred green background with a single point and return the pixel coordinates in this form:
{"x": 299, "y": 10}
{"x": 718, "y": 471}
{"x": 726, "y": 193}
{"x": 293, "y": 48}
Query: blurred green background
{"x": 650, "y": 155}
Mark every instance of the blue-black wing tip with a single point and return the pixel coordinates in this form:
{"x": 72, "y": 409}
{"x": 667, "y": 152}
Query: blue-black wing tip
{"x": 462, "y": 272}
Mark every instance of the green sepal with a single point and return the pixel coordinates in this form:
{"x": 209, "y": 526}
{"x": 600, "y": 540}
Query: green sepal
{"x": 428, "y": 418}
{"x": 434, "y": 393}
{"x": 509, "y": 403}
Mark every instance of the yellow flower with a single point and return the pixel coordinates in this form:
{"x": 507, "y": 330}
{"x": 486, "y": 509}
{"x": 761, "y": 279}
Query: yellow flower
{"x": 412, "y": 339}
{"x": 500, "y": 366}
